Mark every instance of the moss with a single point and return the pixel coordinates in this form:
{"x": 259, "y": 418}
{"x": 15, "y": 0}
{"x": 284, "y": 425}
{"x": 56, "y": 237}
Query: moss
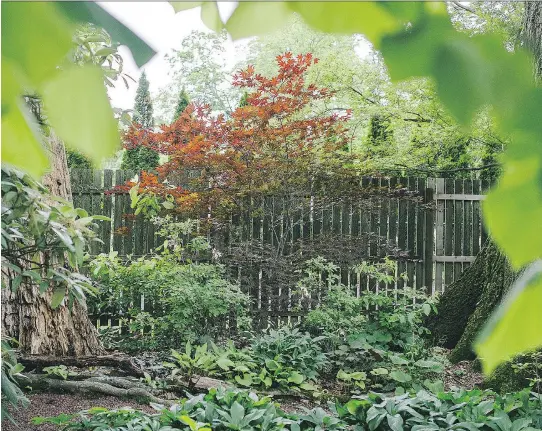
{"x": 468, "y": 301}
{"x": 497, "y": 276}
{"x": 504, "y": 379}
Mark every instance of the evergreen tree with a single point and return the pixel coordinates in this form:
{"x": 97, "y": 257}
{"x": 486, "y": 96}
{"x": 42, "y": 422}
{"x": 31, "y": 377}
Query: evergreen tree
{"x": 141, "y": 158}
{"x": 182, "y": 103}
{"x": 143, "y": 106}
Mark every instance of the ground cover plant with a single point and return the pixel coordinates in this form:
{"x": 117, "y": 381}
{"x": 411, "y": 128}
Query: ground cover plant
{"x": 223, "y": 409}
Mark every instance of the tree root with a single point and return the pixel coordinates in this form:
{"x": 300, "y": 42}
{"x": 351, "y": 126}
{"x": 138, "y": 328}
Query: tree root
{"x": 120, "y": 362}
{"x": 113, "y": 386}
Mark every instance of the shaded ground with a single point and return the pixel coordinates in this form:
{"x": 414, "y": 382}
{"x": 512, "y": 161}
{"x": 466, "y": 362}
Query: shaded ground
{"x": 462, "y": 375}
{"x": 48, "y": 404}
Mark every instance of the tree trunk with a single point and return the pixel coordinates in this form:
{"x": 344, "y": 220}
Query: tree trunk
{"x": 532, "y": 34}
{"x": 469, "y": 301}
{"x": 27, "y": 315}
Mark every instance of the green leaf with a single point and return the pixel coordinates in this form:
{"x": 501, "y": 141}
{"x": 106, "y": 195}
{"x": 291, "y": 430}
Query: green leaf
{"x": 246, "y": 380}
{"x": 77, "y": 105}
{"x": 413, "y": 51}
{"x": 225, "y": 363}
{"x": 271, "y": 365}
{"x": 211, "y": 17}
{"x": 16, "y": 282}
{"x": 39, "y": 38}
{"x": 179, "y": 6}
{"x": 237, "y": 412}
{"x": 256, "y": 18}
{"x": 21, "y": 141}
{"x": 515, "y": 325}
{"x": 295, "y": 377}
{"x": 513, "y": 208}
{"x": 400, "y": 376}
{"x": 368, "y": 18}
{"x": 94, "y": 13}
{"x": 395, "y": 422}
{"x": 426, "y": 308}
{"x": 58, "y": 295}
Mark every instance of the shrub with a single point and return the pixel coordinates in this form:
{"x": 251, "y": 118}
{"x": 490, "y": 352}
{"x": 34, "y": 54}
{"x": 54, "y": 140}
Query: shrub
{"x": 291, "y": 348}
{"x": 188, "y": 301}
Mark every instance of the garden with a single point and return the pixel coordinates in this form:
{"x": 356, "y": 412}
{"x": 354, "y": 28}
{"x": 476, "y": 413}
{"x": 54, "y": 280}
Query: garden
{"x": 334, "y": 228}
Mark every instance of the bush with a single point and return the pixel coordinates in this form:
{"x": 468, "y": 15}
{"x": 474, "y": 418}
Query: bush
{"x": 187, "y": 302}
{"x": 291, "y": 348}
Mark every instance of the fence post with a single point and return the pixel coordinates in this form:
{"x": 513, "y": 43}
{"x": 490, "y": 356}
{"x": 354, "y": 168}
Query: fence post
{"x": 429, "y": 234}
{"x": 439, "y": 230}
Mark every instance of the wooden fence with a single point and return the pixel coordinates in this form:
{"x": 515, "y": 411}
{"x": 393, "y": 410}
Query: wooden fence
{"x": 441, "y": 232}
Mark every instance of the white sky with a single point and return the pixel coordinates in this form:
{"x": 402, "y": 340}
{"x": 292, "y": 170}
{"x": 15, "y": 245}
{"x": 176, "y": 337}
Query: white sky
{"x": 162, "y": 29}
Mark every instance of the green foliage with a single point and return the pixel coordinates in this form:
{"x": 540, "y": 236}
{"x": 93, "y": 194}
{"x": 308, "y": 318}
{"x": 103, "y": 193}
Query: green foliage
{"x": 76, "y": 160}
{"x": 378, "y": 335}
{"x": 461, "y": 410}
{"x": 59, "y": 371}
{"x": 182, "y": 103}
{"x": 201, "y": 67}
{"x": 393, "y": 320}
{"x": 40, "y": 39}
{"x": 470, "y": 73}
{"x": 220, "y": 409}
{"x": 11, "y": 369}
{"x": 190, "y": 300}
{"x": 291, "y": 348}
{"x": 35, "y": 222}
{"x": 380, "y": 137}
{"x": 143, "y": 104}
{"x": 229, "y": 409}
{"x": 140, "y": 159}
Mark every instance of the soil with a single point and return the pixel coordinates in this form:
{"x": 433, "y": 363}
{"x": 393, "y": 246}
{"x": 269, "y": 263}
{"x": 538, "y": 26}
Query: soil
{"x": 462, "y": 375}
{"x": 49, "y": 404}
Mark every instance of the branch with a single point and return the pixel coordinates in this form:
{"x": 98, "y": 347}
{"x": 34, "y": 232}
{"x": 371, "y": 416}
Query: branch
{"x": 363, "y": 96}
{"x": 459, "y": 5}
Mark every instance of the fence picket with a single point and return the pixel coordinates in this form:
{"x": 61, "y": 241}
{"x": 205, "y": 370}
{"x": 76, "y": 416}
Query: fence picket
{"x": 419, "y": 228}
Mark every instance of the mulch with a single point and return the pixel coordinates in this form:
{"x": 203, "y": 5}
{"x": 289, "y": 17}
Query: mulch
{"x": 464, "y": 375}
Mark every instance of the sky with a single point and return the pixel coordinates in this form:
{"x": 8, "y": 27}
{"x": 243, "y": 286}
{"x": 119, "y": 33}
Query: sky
{"x": 162, "y": 29}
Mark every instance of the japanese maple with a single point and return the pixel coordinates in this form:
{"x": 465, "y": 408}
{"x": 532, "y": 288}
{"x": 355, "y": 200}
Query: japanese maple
{"x": 275, "y": 143}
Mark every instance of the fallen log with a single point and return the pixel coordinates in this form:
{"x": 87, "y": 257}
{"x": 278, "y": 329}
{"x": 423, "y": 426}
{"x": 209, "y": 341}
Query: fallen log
{"x": 120, "y": 362}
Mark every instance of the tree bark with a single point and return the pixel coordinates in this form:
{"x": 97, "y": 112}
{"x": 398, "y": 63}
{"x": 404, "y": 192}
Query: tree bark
{"x": 469, "y": 301}
{"x": 27, "y": 315}
{"x": 532, "y": 34}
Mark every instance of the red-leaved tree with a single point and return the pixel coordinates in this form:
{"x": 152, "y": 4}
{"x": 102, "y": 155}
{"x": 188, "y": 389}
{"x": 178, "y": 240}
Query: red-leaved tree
{"x": 276, "y": 144}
